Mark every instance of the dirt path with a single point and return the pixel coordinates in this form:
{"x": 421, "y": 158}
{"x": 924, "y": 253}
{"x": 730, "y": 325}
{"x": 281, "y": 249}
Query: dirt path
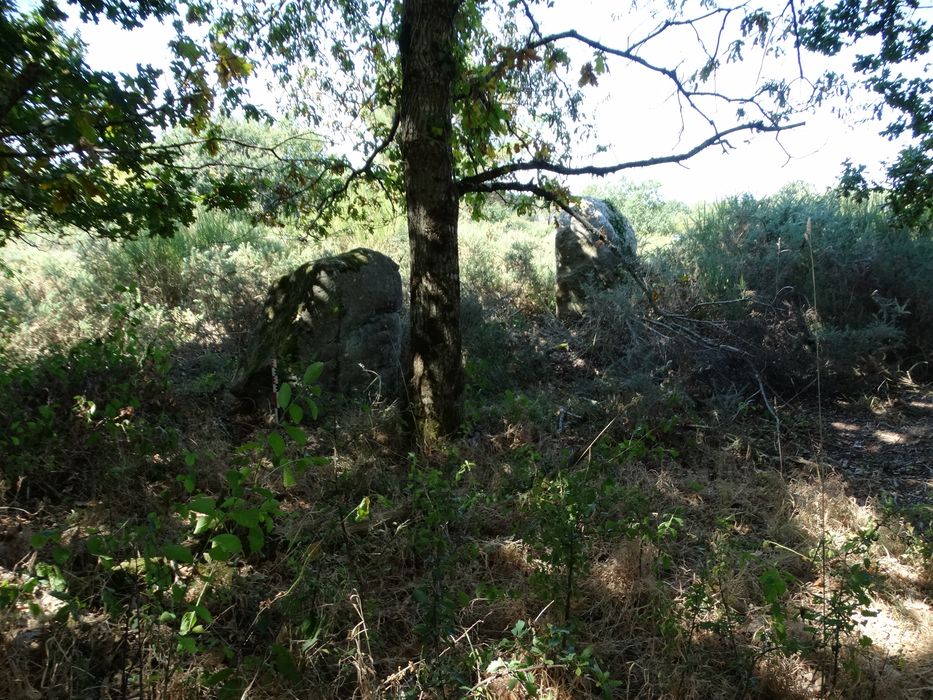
{"x": 885, "y": 446}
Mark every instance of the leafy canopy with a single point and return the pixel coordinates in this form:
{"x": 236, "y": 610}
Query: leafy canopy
{"x": 77, "y": 146}
{"x": 84, "y": 148}
{"x": 130, "y": 154}
{"x": 890, "y": 39}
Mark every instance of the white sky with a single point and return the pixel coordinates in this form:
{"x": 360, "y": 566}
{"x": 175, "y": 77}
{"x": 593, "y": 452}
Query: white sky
{"x": 634, "y": 114}
{"x": 641, "y": 120}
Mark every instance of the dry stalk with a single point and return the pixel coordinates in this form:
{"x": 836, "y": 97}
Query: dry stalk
{"x": 363, "y": 659}
{"x": 820, "y": 472}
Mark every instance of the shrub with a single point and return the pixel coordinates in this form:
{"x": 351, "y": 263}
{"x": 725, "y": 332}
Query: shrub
{"x": 71, "y": 414}
{"x": 509, "y": 262}
{"x": 872, "y": 279}
{"x": 38, "y": 298}
{"x": 175, "y": 271}
{"x": 655, "y": 219}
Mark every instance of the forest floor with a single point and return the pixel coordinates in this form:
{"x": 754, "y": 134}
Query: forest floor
{"x": 857, "y": 459}
{"x": 608, "y": 525}
{"x": 884, "y": 445}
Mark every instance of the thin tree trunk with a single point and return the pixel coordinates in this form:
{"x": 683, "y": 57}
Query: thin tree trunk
{"x": 426, "y": 43}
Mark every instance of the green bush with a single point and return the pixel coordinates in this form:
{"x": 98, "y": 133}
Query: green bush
{"x": 176, "y": 271}
{"x": 508, "y": 261}
{"x": 655, "y": 219}
{"x": 872, "y": 279}
{"x": 209, "y": 277}
{"x": 38, "y": 298}
{"x": 71, "y": 415}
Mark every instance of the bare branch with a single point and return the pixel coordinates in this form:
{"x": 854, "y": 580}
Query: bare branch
{"x": 354, "y": 175}
{"x": 164, "y": 148}
{"x": 796, "y": 28}
{"x": 667, "y": 24}
{"x": 628, "y": 54}
{"x": 474, "y": 183}
{"x": 531, "y": 19}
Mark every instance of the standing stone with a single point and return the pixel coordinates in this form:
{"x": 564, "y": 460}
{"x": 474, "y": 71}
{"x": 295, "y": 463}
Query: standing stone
{"x": 590, "y": 258}
{"x": 343, "y": 311}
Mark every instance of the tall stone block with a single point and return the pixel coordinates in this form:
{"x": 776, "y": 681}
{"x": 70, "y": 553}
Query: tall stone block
{"x": 344, "y": 311}
{"x": 590, "y": 256}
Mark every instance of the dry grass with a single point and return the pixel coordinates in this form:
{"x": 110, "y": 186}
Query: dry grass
{"x": 669, "y": 613}
{"x": 632, "y": 606}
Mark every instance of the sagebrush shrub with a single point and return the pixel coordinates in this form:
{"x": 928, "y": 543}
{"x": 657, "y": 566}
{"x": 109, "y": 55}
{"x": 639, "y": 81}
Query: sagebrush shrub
{"x": 68, "y": 415}
{"x": 872, "y": 291}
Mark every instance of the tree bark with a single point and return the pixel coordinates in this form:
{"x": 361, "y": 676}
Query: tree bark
{"x": 429, "y": 67}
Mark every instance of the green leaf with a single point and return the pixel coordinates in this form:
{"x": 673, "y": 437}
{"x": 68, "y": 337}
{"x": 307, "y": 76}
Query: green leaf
{"x": 225, "y": 545}
{"x": 179, "y": 553}
{"x": 9, "y": 594}
{"x": 188, "y": 621}
{"x": 187, "y": 644}
{"x": 312, "y": 373}
{"x": 186, "y": 48}
{"x": 249, "y": 517}
{"x": 362, "y": 510}
{"x": 772, "y": 584}
{"x": 40, "y": 539}
{"x": 295, "y": 413}
{"x": 187, "y": 482}
{"x": 204, "y": 523}
{"x": 204, "y": 614}
{"x": 60, "y": 555}
{"x": 256, "y": 539}
{"x": 285, "y": 664}
{"x": 288, "y": 476}
{"x": 202, "y": 504}
{"x": 298, "y": 436}
{"x": 277, "y": 443}
{"x": 96, "y": 546}
{"x": 56, "y": 580}
{"x": 312, "y": 408}
{"x": 284, "y": 397}
{"x": 167, "y": 617}
{"x": 599, "y": 65}
{"x": 235, "y": 479}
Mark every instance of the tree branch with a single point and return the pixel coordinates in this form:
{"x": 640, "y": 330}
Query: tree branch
{"x": 628, "y": 54}
{"x": 474, "y": 183}
{"x": 354, "y": 175}
{"x": 531, "y": 18}
{"x": 157, "y": 148}
{"x": 667, "y": 24}
{"x": 22, "y": 84}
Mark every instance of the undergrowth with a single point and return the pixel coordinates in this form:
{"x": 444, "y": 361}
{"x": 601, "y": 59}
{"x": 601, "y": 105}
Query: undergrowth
{"x": 601, "y": 528}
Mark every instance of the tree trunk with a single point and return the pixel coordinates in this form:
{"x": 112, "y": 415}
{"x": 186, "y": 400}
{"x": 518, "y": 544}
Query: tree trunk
{"x": 429, "y": 66}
